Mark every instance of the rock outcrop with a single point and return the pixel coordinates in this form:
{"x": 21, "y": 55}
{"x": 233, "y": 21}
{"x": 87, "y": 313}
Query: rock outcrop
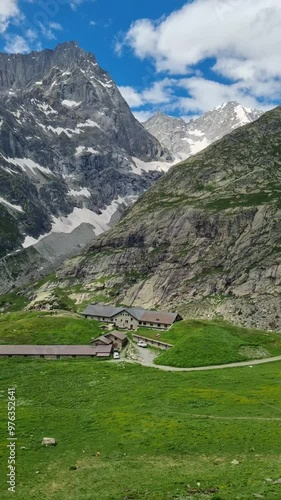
{"x": 205, "y": 239}
{"x": 184, "y": 139}
{"x": 72, "y": 155}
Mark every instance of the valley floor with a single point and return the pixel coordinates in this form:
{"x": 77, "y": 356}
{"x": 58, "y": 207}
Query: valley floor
{"x": 130, "y": 432}
{"x": 134, "y": 432}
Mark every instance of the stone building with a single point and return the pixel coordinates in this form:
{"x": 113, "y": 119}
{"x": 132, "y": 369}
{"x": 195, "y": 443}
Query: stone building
{"x": 130, "y": 318}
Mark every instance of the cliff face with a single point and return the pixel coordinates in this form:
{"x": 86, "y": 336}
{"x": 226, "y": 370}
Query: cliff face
{"x": 72, "y": 155}
{"x": 185, "y": 139}
{"x": 205, "y": 239}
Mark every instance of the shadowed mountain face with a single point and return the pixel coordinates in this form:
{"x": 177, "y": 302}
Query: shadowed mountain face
{"x": 206, "y": 238}
{"x": 185, "y": 139}
{"x": 72, "y": 155}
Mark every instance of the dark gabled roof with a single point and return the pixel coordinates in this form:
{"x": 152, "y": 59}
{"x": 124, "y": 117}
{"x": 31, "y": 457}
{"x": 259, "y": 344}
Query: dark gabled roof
{"x": 103, "y": 349}
{"x": 102, "y": 310}
{"x": 118, "y": 335}
{"x": 103, "y": 339}
{"x": 132, "y": 311}
{"x": 164, "y": 318}
{"x": 53, "y": 350}
{"x": 138, "y": 313}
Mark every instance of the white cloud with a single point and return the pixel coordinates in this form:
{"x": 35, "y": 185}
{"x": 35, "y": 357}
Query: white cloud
{"x": 133, "y": 98}
{"x": 203, "y": 95}
{"x": 55, "y": 26}
{"x": 31, "y": 35}
{"x": 92, "y": 23}
{"x": 48, "y": 30}
{"x": 249, "y": 30}
{"x": 159, "y": 93}
{"x": 8, "y": 11}
{"x": 16, "y": 44}
{"x": 143, "y": 116}
{"x": 243, "y": 38}
{"x": 75, "y": 3}
{"x": 190, "y": 96}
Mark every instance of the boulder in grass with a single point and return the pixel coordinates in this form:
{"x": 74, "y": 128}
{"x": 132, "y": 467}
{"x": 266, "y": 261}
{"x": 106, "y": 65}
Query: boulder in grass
{"x": 49, "y": 442}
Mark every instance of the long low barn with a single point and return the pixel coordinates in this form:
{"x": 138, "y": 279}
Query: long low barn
{"x": 99, "y": 351}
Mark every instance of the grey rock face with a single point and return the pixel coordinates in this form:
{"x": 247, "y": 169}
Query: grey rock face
{"x": 185, "y": 139}
{"x": 205, "y": 239}
{"x": 67, "y": 143}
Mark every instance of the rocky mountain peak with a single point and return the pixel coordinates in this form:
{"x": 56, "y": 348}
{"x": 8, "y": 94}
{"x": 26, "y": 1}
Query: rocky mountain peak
{"x": 71, "y": 152}
{"x": 187, "y": 138}
{"x": 18, "y": 71}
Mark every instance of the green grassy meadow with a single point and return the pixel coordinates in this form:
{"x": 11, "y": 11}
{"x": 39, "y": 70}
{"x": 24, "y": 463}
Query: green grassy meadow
{"x": 196, "y": 343}
{"x": 205, "y": 343}
{"x": 43, "y": 328}
{"x": 158, "y": 433}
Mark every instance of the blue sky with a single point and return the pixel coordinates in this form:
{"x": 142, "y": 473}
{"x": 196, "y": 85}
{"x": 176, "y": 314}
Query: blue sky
{"x": 177, "y": 56}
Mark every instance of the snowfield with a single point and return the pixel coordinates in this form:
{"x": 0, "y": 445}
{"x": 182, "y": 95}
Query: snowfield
{"x": 100, "y": 222}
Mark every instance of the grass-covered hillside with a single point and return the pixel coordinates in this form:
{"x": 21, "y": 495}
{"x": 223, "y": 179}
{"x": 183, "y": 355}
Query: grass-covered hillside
{"x": 49, "y": 291}
{"x": 160, "y": 435}
{"x": 204, "y": 343}
{"x": 195, "y": 343}
{"x": 43, "y": 328}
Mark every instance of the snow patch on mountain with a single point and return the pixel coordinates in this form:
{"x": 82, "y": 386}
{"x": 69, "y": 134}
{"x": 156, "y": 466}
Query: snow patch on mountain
{"x": 27, "y": 164}
{"x": 83, "y": 149}
{"x": 44, "y": 107}
{"x": 60, "y": 130}
{"x": 88, "y": 123}
{"x": 185, "y": 139}
{"x": 71, "y": 104}
{"x": 81, "y": 192}
{"x": 139, "y": 166}
{"x": 196, "y": 146}
{"x": 100, "y": 222}
{"x": 18, "y": 208}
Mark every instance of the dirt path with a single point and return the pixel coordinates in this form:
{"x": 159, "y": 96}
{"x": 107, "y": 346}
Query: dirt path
{"x": 215, "y": 417}
{"x": 145, "y": 357}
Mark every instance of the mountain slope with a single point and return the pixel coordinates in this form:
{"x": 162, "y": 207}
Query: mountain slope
{"x": 185, "y": 139}
{"x": 72, "y": 155}
{"x": 67, "y": 139}
{"x": 205, "y": 239}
